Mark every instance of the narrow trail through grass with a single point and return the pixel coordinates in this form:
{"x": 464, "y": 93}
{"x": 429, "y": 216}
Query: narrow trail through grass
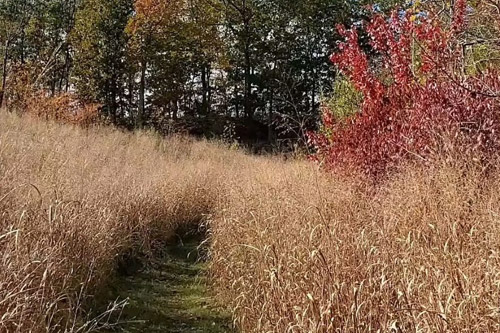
{"x": 170, "y": 295}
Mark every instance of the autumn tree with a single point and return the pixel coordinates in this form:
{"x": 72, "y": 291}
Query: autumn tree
{"x": 99, "y": 42}
{"x": 14, "y": 16}
{"x": 151, "y": 62}
{"x": 34, "y": 37}
{"x": 149, "y": 29}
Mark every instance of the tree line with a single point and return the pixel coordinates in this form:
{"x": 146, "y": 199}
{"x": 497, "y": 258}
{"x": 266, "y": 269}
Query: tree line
{"x": 154, "y": 63}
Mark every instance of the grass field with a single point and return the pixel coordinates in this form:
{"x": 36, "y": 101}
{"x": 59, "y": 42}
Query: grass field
{"x": 291, "y": 249}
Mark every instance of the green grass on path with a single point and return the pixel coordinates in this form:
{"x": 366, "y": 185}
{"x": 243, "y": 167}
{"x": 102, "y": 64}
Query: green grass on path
{"x": 170, "y": 296}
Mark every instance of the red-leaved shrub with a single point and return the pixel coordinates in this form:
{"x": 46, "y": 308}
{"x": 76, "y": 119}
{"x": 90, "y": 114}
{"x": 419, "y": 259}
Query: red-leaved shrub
{"x": 417, "y": 101}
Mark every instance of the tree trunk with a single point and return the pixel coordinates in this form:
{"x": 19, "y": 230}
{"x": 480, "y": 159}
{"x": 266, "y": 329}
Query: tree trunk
{"x": 270, "y": 135}
{"x": 4, "y": 73}
{"x": 248, "y": 85}
{"x": 53, "y": 84}
{"x": 209, "y": 89}
{"x": 237, "y": 106}
{"x": 60, "y": 84}
{"x": 114, "y": 107}
{"x": 142, "y": 92}
{"x": 23, "y": 37}
{"x": 313, "y": 93}
{"x": 113, "y": 95}
{"x": 130, "y": 90}
{"x": 205, "y": 87}
{"x": 67, "y": 64}
{"x": 175, "y": 110}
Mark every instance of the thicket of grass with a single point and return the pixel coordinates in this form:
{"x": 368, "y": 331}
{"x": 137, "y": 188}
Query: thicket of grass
{"x": 292, "y": 249}
{"x": 296, "y": 251}
{"x": 74, "y": 201}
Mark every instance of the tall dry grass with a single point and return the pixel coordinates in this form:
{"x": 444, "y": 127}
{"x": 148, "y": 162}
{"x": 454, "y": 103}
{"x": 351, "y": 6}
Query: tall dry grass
{"x": 292, "y": 249}
{"x": 74, "y": 201}
{"x": 297, "y": 251}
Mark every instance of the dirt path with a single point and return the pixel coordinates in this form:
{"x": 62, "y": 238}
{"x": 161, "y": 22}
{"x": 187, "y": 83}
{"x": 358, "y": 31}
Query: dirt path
{"x": 170, "y": 296}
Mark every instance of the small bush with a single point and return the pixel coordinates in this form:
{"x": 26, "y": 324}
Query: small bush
{"x": 65, "y": 108}
{"x": 24, "y": 97}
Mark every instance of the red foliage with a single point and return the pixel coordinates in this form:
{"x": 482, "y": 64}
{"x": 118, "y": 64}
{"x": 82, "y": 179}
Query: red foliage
{"x": 417, "y": 103}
